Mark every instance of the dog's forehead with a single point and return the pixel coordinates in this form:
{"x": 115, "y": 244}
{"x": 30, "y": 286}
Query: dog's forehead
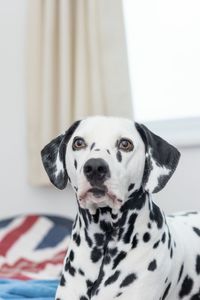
{"x": 106, "y": 129}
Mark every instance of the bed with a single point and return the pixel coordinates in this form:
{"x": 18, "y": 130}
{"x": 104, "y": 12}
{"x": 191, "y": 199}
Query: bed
{"x": 32, "y": 249}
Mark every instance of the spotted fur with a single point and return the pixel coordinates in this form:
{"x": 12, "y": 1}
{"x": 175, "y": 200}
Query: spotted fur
{"x": 122, "y": 245}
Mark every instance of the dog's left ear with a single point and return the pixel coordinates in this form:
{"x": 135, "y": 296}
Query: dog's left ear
{"x": 53, "y": 158}
{"x": 161, "y": 160}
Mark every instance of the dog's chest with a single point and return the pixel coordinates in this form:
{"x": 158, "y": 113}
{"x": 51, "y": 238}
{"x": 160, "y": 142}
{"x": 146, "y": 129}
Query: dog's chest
{"x": 106, "y": 263}
{"x": 143, "y": 257}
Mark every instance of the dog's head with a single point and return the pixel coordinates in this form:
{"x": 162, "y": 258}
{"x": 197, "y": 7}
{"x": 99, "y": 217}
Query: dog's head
{"x": 107, "y": 158}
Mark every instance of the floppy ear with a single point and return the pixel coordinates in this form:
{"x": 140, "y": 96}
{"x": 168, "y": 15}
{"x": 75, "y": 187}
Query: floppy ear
{"x": 53, "y": 158}
{"x": 161, "y": 160}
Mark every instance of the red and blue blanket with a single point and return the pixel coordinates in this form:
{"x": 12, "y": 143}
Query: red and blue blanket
{"x": 32, "y": 249}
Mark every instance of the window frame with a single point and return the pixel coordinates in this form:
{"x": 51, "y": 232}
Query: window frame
{"x": 182, "y": 133}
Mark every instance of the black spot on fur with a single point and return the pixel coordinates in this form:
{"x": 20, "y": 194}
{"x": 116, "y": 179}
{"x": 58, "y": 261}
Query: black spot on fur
{"x": 180, "y": 273}
{"x": 169, "y": 240}
{"x": 96, "y": 254}
{"x": 92, "y": 146}
{"x": 98, "y": 281}
{"x": 96, "y": 216}
{"x": 196, "y": 230}
{"x": 62, "y": 280}
{"x": 88, "y": 216}
{"x": 186, "y": 287}
{"x": 97, "y": 149}
{"x": 89, "y": 283}
{"x": 128, "y": 280}
{"x": 136, "y": 200}
{"x": 71, "y": 270}
{"x": 99, "y": 238}
{"x": 113, "y": 251}
{"x": 121, "y": 231}
{"x": 166, "y": 291}
{"x": 75, "y": 164}
{"x": 132, "y": 219}
{"x": 134, "y": 241}
{"x": 171, "y": 253}
{"x": 67, "y": 265}
{"x": 77, "y": 239}
{"x": 123, "y": 218}
{"x": 114, "y": 216}
{"x": 119, "y": 156}
{"x": 156, "y": 244}
{"x": 83, "y": 298}
{"x": 198, "y": 264}
{"x": 84, "y": 215}
{"x": 149, "y": 225}
{"x": 152, "y": 266}
{"x": 146, "y": 237}
{"x": 112, "y": 278}
{"x": 108, "y": 151}
{"x": 81, "y": 272}
{"x": 89, "y": 287}
{"x": 87, "y": 238}
{"x": 118, "y": 295}
{"x": 196, "y": 296}
{"x": 163, "y": 237}
{"x": 105, "y": 226}
{"x": 107, "y": 259}
{"x": 131, "y": 222}
{"x": 131, "y": 186}
{"x": 156, "y": 215}
{"x": 71, "y": 255}
{"x": 119, "y": 258}
{"x": 105, "y": 210}
{"x": 74, "y": 224}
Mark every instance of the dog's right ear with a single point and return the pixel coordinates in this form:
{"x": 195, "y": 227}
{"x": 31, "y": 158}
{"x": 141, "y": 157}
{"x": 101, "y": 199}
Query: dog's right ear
{"x": 53, "y": 158}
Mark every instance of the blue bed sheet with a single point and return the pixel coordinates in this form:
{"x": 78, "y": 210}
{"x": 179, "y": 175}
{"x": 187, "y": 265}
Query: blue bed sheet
{"x": 31, "y": 289}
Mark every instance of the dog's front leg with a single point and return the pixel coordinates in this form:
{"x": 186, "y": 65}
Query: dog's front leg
{"x": 82, "y": 263}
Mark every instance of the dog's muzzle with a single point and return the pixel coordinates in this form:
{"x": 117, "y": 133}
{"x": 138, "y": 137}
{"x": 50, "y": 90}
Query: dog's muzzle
{"x": 97, "y": 191}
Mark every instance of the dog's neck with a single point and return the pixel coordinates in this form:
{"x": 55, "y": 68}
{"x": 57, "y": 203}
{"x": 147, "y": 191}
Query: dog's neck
{"x": 135, "y": 220}
{"x": 106, "y": 239}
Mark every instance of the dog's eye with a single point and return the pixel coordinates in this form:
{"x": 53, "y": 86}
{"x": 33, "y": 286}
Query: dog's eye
{"x": 78, "y": 143}
{"x": 125, "y": 145}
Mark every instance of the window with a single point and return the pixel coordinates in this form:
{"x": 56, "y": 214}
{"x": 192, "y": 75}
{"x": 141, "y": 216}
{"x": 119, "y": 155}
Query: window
{"x": 163, "y": 40}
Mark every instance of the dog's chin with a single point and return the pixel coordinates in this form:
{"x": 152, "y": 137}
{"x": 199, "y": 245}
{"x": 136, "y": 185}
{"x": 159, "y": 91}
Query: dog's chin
{"x": 95, "y": 198}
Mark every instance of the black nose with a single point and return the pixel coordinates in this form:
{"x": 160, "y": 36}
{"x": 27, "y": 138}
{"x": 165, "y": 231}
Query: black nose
{"x": 96, "y": 171}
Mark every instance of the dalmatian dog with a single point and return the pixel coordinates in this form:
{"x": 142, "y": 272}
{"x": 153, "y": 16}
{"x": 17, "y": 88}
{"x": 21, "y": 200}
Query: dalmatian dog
{"x": 122, "y": 244}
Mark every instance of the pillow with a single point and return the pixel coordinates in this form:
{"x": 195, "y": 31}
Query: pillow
{"x": 33, "y": 246}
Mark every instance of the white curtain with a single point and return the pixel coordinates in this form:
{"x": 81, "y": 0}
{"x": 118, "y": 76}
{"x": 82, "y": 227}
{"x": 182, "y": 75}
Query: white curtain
{"x": 77, "y": 66}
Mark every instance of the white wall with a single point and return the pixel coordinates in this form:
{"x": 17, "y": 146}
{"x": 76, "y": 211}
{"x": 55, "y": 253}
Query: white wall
{"x": 16, "y": 196}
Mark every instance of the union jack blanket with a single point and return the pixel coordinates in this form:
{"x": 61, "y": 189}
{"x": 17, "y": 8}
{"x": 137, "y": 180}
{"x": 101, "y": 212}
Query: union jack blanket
{"x": 33, "y": 246}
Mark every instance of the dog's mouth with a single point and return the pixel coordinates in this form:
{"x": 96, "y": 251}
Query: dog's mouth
{"x": 98, "y": 195}
{"x": 97, "y": 192}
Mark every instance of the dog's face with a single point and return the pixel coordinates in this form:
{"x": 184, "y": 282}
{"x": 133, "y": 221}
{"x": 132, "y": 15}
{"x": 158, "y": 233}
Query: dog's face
{"x": 107, "y": 158}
